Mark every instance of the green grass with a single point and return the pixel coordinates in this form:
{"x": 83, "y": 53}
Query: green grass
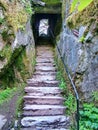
{"x": 6, "y": 94}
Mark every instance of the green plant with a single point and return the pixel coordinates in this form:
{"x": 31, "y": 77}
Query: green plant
{"x": 79, "y": 5}
{"x": 95, "y": 95}
{"x": 62, "y": 83}
{"x": 6, "y": 94}
{"x": 1, "y": 20}
{"x": 19, "y": 102}
{"x": 82, "y": 39}
{"x": 27, "y": 7}
{"x": 70, "y": 103}
{"x": 89, "y": 117}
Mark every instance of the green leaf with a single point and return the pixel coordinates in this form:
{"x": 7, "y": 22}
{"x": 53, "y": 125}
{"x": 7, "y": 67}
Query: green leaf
{"x": 79, "y": 5}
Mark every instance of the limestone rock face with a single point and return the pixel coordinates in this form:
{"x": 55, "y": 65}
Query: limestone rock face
{"x": 82, "y": 60}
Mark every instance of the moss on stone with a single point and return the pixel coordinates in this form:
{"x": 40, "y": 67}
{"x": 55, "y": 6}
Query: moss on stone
{"x": 51, "y": 6}
{"x": 85, "y": 18}
{"x": 15, "y": 14}
{"x": 16, "y": 70}
{"x": 52, "y": 2}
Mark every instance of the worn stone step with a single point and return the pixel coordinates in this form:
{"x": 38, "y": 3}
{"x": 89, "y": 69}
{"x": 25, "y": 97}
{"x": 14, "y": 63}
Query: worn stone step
{"x": 43, "y": 83}
{"x": 43, "y": 110}
{"x": 43, "y": 78}
{"x": 44, "y": 60}
{"x": 45, "y": 56}
{"x": 44, "y": 128}
{"x": 45, "y": 64}
{"x": 44, "y": 73}
{"x": 47, "y": 68}
{"x": 43, "y": 100}
{"x": 56, "y": 122}
{"x": 43, "y": 90}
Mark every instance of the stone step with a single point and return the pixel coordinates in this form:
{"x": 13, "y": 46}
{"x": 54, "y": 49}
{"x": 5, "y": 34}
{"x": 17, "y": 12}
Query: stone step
{"x": 45, "y": 68}
{"x": 43, "y": 83}
{"x": 59, "y": 122}
{"x": 45, "y": 60}
{"x": 38, "y": 72}
{"x": 44, "y": 128}
{"x": 43, "y": 100}
{"x": 44, "y": 56}
{"x": 43, "y": 110}
{"x": 43, "y": 78}
{"x": 45, "y": 64}
{"x": 43, "y": 90}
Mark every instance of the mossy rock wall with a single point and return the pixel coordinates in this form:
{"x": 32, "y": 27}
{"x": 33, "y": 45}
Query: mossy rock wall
{"x": 80, "y": 53}
{"x": 17, "y": 47}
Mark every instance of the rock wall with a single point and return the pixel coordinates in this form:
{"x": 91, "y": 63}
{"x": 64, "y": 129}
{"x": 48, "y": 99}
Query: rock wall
{"x": 17, "y": 47}
{"x": 81, "y": 57}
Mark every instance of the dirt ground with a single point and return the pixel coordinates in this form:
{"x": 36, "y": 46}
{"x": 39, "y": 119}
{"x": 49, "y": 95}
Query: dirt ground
{"x": 8, "y": 109}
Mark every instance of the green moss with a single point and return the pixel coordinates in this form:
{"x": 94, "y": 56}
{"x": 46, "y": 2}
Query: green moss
{"x": 86, "y": 17}
{"x": 51, "y": 6}
{"x": 6, "y": 52}
{"x": 7, "y": 74}
{"x": 16, "y": 15}
{"x": 52, "y": 2}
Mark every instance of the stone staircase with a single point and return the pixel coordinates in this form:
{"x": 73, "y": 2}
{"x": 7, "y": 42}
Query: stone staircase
{"x": 43, "y": 103}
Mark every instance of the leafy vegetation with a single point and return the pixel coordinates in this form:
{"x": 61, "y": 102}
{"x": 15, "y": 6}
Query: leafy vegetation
{"x": 19, "y": 103}
{"x": 6, "y": 94}
{"x": 62, "y": 83}
{"x": 1, "y": 20}
{"x": 95, "y": 96}
{"x": 86, "y": 15}
{"x": 70, "y": 101}
{"x": 89, "y": 117}
{"x": 79, "y": 5}
{"x": 27, "y": 7}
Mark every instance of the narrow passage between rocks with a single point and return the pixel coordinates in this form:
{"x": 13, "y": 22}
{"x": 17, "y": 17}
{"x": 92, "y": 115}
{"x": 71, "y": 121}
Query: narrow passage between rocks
{"x": 43, "y": 102}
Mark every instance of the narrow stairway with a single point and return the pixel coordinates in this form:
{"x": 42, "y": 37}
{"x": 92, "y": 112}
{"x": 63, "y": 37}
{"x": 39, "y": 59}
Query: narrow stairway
{"x": 43, "y": 103}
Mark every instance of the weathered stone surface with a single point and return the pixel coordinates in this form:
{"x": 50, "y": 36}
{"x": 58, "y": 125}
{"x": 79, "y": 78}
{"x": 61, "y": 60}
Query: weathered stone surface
{"x": 23, "y": 38}
{"x": 43, "y": 78}
{"x": 43, "y": 100}
{"x": 44, "y": 73}
{"x": 43, "y": 110}
{"x": 40, "y": 128}
{"x": 81, "y": 59}
{"x": 1, "y": 13}
{"x": 43, "y": 83}
{"x": 45, "y": 68}
{"x": 45, "y": 60}
{"x": 43, "y": 103}
{"x": 45, "y": 121}
{"x": 43, "y": 91}
{"x": 3, "y": 120}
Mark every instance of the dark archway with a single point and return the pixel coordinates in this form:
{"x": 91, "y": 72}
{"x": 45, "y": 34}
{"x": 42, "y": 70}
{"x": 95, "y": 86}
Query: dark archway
{"x": 54, "y": 21}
